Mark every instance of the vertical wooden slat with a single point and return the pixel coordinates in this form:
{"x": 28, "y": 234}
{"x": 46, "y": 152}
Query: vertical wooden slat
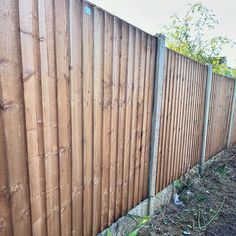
{"x": 149, "y": 113}
{"x": 76, "y": 115}
{"x": 196, "y": 117}
{"x": 107, "y": 97}
{"x": 164, "y": 131}
{"x": 179, "y": 119}
{"x": 88, "y": 116}
{"x": 190, "y": 115}
{"x": 131, "y": 122}
{"x": 139, "y": 163}
{"x": 122, "y": 111}
{"x": 186, "y": 115}
{"x": 166, "y": 167}
{"x": 193, "y": 114}
{"x": 33, "y": 113}
{"x": 114, "y": 118}
{"x": 147, "y": 80}
{"x": 5, "y": 213}
{"x": 48, "y": 77}
{"x": 176, "y": 123}
{"x": 163, "y": 110}
{"x": 12, "y": 112}
{"x": 63, "y": 105}
{"x": 98, "y": 113}
{"x": 173, "y": 119}
{"x": 128, "y": 118}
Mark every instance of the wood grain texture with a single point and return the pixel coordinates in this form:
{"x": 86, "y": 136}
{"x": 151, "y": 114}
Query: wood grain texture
{"x": 79, "y": 119}
{"x": 114, "y": 118}
{"x": 220, "y": 107}
{"x": 33, "y": 112}
{"x": 87, "y": 119}
{"x": 121, "y": 121}
{"x": 76, "y": 90}
{"x": 50, "y": 124}
{"x": 5, "y": 213}
{"x": 181, "y": 119}
{"x": 98, "y": 115}
{"x": 64, "y": 112}
{"x": 13, "y": 117}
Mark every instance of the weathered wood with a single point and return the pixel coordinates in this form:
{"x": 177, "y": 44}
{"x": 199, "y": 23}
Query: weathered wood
{"x": 49, "y": 92}
{"x": 121, "y": 122}
{"x": 131, "y": 123}
{"x": 63, "y": 106}
{"x": 114, "y": 118}
{"x": 5, "y": 213}
{"x": 76, "y": 76}
{"x": 98, "y": 113}
{"x": 128, "y": 159}
{"x": 88, "y": 117}
{"x": 13, "y": 117}
{"x": 28, "y": 13}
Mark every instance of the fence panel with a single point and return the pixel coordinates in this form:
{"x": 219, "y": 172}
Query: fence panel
{"x": 181, "y": 118}
{"x": 219, "y": 115}
{"x": 88, "y": 80}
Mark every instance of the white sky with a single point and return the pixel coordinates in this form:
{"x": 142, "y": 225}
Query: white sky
{"x": 149, "y": 15}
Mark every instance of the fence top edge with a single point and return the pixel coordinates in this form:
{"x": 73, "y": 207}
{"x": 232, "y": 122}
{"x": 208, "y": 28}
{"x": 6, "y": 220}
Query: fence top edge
{"x": 149, "y": 34}
{"x": 225, "y": 76}
{"x": 122, "y": 20}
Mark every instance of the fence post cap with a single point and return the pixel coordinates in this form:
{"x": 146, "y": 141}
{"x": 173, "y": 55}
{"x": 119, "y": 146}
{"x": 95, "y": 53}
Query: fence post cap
{"x": 161, "y": 36}
{"x": 209, "y": 65}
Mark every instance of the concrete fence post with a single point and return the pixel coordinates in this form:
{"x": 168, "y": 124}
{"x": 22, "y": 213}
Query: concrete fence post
{"x": 156, "y": 117}
{"x": 232, "y": 118}
{"x": 206, "y": 119}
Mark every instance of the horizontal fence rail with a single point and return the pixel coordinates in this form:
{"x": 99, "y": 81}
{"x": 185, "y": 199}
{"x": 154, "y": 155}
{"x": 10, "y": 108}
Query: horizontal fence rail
{"x": 96, "y": 116}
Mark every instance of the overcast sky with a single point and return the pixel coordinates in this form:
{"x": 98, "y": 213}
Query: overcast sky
{"x": 149, "y": 15}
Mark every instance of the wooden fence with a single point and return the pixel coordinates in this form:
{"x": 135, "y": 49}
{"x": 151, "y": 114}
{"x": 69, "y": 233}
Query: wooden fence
{"x": 181, "y": 117}
{"x": 76, "y": 114}
{"x": 219, "y": 115}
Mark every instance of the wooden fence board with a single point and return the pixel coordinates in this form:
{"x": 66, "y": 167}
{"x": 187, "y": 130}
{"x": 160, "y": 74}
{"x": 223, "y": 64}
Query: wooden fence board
{"x": 98, "y": 114}
{"x": 76, "y": 76}
{"x": 28, "y": 13}
{"x": 64, "y": 112}
{"x": 220, "y": 106}
{"x": 114, "y": 117}
{"x": 181, "y": 123}
{"x": 122, "y": 111}
{"x": 49, "y": 92}
{"x": 13, "y": 117}
{"x": 88, "y": 119}
{"x": 5, "y": 213}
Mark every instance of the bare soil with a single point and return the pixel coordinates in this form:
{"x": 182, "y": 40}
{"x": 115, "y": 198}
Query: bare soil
{"x": 208, "y": 203}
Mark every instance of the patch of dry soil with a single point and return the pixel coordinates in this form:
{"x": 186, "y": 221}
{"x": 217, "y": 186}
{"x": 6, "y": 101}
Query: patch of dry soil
{"x": 209, "y": 204}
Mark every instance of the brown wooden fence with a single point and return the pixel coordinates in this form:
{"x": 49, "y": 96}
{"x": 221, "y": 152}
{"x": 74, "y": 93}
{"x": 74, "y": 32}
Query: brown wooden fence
{"x": 219, "y": 115}
{"x": 82, "y": 115}
{"x": 181, "y": 117}
{"x": 76, "y": 102}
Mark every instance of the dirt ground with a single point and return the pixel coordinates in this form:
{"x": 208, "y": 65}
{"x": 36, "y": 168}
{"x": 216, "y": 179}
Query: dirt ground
{"x": 206, "y": 206}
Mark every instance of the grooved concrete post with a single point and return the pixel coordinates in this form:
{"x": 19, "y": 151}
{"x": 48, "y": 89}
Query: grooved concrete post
{"x": 232, "y": 118}
{"x": 206, "y": 119}
{"x": 156, "y": 116}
